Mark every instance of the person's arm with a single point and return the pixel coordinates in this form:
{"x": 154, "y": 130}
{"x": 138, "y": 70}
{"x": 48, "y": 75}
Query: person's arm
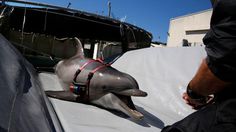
{"x": 203, "y": 84}
{"x": 218, "y": 70}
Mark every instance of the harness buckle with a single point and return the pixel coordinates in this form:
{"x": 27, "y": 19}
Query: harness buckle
{"x": 78, "y": 88}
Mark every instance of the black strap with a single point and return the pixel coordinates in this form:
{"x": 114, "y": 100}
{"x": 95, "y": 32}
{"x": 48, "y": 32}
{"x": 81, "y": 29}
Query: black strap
{"x": 76, "y": 74}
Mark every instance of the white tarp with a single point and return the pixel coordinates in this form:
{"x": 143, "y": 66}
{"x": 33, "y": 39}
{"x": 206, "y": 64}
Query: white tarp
{"x": 162, "y": 72}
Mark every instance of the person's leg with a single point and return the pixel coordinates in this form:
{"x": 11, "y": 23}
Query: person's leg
{"x": 199, "y": 121}
{"x": 224, "y": 127}
{"x": 226, "y": 115}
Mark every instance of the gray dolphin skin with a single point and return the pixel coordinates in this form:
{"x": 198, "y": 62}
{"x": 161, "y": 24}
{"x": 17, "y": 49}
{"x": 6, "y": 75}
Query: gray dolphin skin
{"x": 108, "y": 87}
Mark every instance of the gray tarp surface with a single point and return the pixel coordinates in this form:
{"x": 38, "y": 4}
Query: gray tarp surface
{"x": 162, "y": 72}
{"x": 23, "y": 104}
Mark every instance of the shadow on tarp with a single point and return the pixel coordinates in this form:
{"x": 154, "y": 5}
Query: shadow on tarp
{"x": 148, "y": 120}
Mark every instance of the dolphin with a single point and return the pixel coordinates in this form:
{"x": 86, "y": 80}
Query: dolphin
{"x": 107, "y": 88}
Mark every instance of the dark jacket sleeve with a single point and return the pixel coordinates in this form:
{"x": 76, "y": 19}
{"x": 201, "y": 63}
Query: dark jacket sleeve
{"x": 220, "y": 41}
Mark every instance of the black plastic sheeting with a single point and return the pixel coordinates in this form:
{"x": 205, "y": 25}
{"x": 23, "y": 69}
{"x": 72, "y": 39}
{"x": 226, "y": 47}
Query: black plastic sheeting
{"x": 23, "y": 104}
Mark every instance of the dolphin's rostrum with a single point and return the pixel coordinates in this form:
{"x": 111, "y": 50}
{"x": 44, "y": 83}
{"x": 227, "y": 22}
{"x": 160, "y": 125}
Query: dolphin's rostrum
{"x": 91, "y": 81}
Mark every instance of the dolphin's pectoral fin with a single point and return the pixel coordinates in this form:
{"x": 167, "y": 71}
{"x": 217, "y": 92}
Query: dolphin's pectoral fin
{"x": 63, "y": 95}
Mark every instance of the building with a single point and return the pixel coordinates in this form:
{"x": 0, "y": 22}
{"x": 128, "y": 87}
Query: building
{"x": 189, "y": 30}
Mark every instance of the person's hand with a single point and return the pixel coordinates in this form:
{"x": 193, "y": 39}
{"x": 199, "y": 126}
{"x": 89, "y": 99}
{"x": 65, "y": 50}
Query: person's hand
{"x": 197, "y": 103}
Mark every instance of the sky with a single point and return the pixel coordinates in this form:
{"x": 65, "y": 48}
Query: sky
{"x": 152, "y": 15}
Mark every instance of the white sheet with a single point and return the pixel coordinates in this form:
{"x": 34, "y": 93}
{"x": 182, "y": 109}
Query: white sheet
{"x": 162, "y": 72}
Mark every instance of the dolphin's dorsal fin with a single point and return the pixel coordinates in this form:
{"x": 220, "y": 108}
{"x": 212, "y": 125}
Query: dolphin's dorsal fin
{"x": 79, "y": 46}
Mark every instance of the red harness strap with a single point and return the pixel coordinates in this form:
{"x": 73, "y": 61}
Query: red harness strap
{"x": 83, "y": 89}
{"x": 81, "y": 68}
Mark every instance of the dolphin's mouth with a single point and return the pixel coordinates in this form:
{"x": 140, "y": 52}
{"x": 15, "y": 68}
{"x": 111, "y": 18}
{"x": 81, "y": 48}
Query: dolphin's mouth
{"x": 127, "y": 103}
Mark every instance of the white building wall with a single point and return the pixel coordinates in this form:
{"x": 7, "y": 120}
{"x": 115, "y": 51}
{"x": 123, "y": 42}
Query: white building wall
{"x": 192, "y": 27}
